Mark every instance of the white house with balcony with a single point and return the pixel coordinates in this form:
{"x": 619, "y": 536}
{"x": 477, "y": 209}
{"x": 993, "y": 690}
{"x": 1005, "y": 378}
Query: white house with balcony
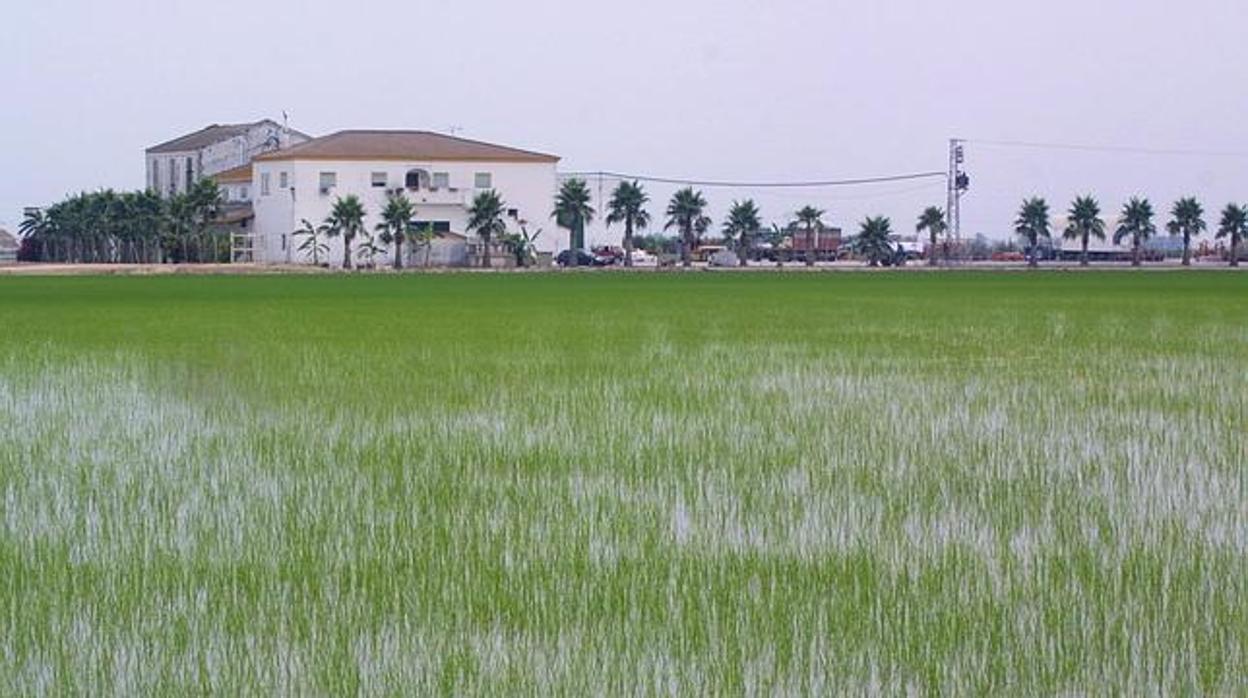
{"x": 440, "y": 174}
{"x": 173, "y": 166}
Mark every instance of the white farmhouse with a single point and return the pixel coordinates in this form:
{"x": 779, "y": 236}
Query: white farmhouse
{"x": 440, "y": 174}
{"x": 173, "y": 166}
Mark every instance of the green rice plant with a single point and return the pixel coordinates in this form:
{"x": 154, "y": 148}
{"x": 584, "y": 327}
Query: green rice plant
{"x": 953, "y": 483}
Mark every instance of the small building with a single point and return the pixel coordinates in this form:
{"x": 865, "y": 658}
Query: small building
{"x": 9, "y": 245}
{"x": 173, "y": 166}
{"x": 439, "y": 174}
{"x": 235, "y": 184}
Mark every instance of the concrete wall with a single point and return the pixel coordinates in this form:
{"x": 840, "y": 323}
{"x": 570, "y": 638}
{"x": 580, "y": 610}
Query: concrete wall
{"x": 527, "y": 187}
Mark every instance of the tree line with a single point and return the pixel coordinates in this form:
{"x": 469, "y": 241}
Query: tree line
{"x": 742, "y": 230}
{"x": 1135, "y": 223}
{"x": 128, "y": 227}
{"x": 141, "y": 226}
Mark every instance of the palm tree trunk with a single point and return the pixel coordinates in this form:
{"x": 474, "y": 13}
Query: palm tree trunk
{"x": 346, "y": 251}
{"x": 1234, "y": 250}
{"x": 628, "y": 241}
{"x": 810, "y": 246}
{"x": 745, "y": 250}
{"x": 931, "y": 251}
{"x": 1083, "y": 256}
{"x": 485, "y": 252}
{"x": 1135, "y": 251}
{"x": 1187, "y": 249}
{"x": 685, "y": 253}
{"x": 398, "y": 252}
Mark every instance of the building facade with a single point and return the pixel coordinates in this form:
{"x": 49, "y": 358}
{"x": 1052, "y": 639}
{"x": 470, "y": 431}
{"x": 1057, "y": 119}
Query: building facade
{"x": 440, "y": 174}
{"x": 173, "y": 166}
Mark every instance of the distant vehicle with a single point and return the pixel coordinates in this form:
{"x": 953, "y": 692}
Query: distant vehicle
{"x": 643, "y": 257}
{"x": 609, "y": 255}
{"x": 899, "y": 257}
{"x": 582, "y": 258}
{"x": 724, "y": 258}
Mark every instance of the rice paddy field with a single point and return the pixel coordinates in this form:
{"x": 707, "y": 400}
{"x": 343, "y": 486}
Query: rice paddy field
{"x": 608, "y": 484}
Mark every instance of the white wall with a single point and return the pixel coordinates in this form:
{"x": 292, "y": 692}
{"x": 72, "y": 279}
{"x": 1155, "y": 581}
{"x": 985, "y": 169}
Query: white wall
{"x": 223, "y": 155}
{"x": 527, "y": 187}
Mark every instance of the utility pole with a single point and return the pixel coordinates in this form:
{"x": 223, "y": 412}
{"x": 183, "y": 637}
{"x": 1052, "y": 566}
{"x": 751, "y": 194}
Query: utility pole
{"x": 957, "y": 184}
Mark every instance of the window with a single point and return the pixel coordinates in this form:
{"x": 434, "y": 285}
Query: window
{"x": 283, "y": 180}
{"x": 441, "y": 180}
{"x": 416, "y": 179}
{"x": 328, "y": 181}
{"x": 438, "y": 226}
{"x": 482, "y": 180}
{"x": 190, "y": 174}
{"x": 379, "y": 179}
{"x": 264, "y": 184}
{"x": 242, "y": 193}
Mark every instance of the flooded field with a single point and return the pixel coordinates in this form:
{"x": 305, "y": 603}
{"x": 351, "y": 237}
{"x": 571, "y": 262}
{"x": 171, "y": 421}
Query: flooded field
{"x": 689, "y": 484}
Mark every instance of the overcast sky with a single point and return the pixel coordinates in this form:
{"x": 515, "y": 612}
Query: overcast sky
{"x": 710, "y": 89}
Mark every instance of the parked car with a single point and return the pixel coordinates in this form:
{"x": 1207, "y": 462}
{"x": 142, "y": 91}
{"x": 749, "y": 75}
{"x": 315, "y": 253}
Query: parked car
{"x": 609, "y": 255}
{"x": 643, "y": 257}
{"x": 582, "y": 258}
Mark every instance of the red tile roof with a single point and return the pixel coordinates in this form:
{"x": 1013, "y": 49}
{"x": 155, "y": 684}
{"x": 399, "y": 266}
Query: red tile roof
{"x": 402, "y": 145}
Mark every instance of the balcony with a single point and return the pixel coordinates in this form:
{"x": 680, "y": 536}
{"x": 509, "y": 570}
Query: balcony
{"x": 425, "y": 196}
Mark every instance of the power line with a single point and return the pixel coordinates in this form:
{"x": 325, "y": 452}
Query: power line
{"x": 758, "y": 185}
{"x": 1110, "y": 148}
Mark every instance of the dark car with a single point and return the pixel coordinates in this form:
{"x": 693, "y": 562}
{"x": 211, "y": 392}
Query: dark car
{"x": 582, "y": 259}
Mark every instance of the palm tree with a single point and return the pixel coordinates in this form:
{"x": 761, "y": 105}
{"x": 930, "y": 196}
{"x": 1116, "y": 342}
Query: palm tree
{"x": 742, "y": 227}
{"x": 486, "y": 219}
{"x": 369, "y": 249}
{"x": 179, "y": 225}
{"x": 872, "y": 240}
{"x": 628, "y": 205}
{"x": 1084, "y": 222}
{"x": 685, "y": 212}
{"x": 573, "y": 211}
{"x": 36, "y": 227}
{"x": 345, "y": 219}
{"x": 1234, "y": 225}
{"x": 312, "y": 243}
{"x": 1033, "y": 223}
{"x": 1187, "y": 219}
{"x": 521, "y": 245}
{"x": 811, "y": 219}
{"x": 396, "y": 223}
{"x": 933, "y": 221}
{"x": 776, "y": 237}
{"x": 1137, "y": 223}
{"x": 423, "y": 237}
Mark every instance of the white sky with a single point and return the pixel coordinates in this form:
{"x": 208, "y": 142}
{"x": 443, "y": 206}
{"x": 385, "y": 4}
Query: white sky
{"x": 712, "y": 89}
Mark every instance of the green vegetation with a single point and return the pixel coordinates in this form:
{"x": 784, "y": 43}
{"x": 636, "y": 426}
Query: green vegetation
{"x": 573, "y": 211}
{"x": 1032, "y": 225}
{"x": 706, "y": 484}
{"x": 933, "y": 221}
{"x": 1187, "y": 218}
{"x": 128, "y": 227}
{"x": 686, "y": 212}
{"x": 628, "y": 206}
{"x": 741, "y": 228}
